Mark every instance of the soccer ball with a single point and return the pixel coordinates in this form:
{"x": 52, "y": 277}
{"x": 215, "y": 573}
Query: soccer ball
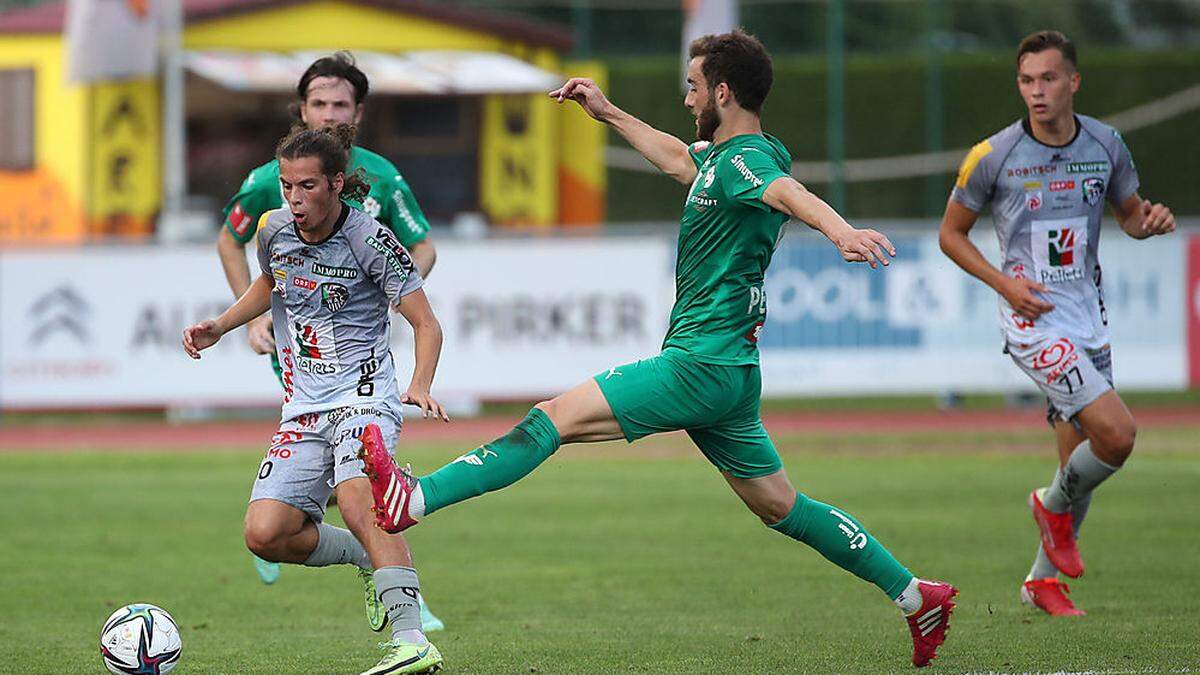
{"x": 140, "y": 638}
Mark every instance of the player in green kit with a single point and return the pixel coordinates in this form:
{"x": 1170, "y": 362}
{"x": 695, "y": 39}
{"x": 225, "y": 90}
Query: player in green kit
{"x": 706, "y": 380}
{"x": 331, "y": 92}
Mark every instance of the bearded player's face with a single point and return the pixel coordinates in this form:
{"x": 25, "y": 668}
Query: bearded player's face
{"x": 311, "y": 196}
{"x": 700, "y": 100}
{"x": 329, "y": 101}
{"x": 1048, "y": 82}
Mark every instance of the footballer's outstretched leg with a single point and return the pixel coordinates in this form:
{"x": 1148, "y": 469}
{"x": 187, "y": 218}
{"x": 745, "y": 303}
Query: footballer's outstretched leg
{"x": 842, "y": 540}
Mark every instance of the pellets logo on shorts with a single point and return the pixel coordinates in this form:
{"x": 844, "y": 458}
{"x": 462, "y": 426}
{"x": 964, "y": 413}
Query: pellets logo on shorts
{"x": 334, "y": 296}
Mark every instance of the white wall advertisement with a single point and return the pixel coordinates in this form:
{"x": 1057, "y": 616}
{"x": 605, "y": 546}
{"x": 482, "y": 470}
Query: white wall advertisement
{"x": 100, "y": 327}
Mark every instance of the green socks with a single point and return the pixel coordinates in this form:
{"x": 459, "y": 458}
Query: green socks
{"x": 844, "y": 542}
{"x": 496, "y": 465}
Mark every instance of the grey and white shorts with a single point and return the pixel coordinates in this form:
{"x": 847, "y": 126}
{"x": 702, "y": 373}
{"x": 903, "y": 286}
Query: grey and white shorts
{"x": 313, "y": 453}
{"x": 1070, "y": 376}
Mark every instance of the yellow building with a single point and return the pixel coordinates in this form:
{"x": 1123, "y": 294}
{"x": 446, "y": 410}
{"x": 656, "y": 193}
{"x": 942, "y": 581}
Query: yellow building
{"x": 81, "y": 162}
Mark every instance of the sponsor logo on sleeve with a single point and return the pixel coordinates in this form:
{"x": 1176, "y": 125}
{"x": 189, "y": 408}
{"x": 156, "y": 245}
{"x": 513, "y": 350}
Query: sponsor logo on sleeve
{"x": 385, "y": 242}
{"x": 739, "y": 162}
{"x": 372, "y": 207}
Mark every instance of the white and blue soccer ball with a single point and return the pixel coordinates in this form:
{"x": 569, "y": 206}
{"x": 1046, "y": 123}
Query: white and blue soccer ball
{"x": 140, "y": 639}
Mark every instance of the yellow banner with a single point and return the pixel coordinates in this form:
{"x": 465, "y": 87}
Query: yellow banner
{"x": 124, "y": 173}
{"x": 518, "y": 164}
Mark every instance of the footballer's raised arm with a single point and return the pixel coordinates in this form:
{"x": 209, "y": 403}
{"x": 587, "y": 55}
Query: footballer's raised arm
{"x": 663, "y": 150}
{"x": 786, "y": 195}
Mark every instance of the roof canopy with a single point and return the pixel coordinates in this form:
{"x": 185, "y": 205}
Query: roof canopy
{"x": 48, "y": 17}
{"x": 417, "y": 72}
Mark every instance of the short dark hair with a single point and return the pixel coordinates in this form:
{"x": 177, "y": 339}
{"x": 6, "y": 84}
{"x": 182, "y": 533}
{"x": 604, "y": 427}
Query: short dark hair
{"x": 1047, "y": 39}
{"x": 739, "y": 60}
{"x": 341, "y": 65}
{"x": 330, "y": 145}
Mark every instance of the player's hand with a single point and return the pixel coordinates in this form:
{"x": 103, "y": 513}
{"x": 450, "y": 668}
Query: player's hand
{"x": 200, "y": 336}
{"x": 1156, "y": 219}
{"x": 587, "y": 94}
{"x": 866, "y": 246}
{"x": 427, "y": 403}
{"x": 261, "y": 335}
{"x": 1019, "y": 292}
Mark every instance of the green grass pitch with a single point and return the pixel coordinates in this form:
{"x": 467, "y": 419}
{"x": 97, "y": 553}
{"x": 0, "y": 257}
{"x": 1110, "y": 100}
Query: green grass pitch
{"x": 617, "y": 558}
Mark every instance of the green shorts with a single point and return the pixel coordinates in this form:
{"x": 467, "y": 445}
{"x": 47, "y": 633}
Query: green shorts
{"x": 718, "y": 406}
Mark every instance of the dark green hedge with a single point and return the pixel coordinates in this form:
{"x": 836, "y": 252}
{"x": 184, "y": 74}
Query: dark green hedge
{"x": 885, "y": 115}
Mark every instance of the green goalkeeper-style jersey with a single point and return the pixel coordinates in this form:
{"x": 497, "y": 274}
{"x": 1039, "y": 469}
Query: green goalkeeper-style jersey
{"x": 390, "y": 200}
{"x": 726, "y": 238}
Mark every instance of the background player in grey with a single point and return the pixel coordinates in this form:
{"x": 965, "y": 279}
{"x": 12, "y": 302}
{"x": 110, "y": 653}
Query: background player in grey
{"x": 329, "y": 274}
{"x": 1047, "y": 178}
{"x": 333, "y": 90}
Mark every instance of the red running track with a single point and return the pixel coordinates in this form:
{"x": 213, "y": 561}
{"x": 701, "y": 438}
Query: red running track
{"x": 164, "y": 436}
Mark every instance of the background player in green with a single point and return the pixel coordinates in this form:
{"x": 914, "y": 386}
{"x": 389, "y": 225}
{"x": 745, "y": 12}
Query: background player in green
{"x": 332, "y": 91}
{"x": 706, "y": 380}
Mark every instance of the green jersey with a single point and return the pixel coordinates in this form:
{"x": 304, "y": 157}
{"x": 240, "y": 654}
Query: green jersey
{"x": 726, "y": 238}
{"x": 390, "y": 200}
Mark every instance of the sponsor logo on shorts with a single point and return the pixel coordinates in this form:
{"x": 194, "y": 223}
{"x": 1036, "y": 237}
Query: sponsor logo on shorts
{"x": 306, "y": 284}
{"x": 334, "y": 272}
{"x": 1056, "y": 359}
{"x": 1061, "y": 185}
{"x": 338, "y": 415}
{"x": 334, "y": 296}
{"x": 355, "y": 432}
{"x": 1087, "y": 167}
{"x": 1093, "y": 190}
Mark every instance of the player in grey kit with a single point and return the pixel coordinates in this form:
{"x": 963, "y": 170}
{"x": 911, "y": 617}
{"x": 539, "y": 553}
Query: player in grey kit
{"x": 330, "y": 272}
{"x": 1047, "y": 178}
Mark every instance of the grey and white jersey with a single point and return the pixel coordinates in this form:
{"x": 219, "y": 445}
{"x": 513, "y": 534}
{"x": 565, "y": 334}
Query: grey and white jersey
{"x": 1047, "y": 204}
{"x": 330, "y": 309}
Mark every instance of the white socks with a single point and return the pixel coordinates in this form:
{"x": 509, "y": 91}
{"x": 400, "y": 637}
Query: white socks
{"x": 909, "y": 599}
